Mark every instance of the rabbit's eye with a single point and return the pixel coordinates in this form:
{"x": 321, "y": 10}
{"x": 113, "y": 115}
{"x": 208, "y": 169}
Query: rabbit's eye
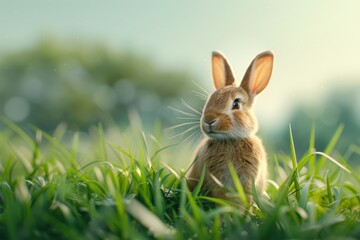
{"x": 236, "y": 104}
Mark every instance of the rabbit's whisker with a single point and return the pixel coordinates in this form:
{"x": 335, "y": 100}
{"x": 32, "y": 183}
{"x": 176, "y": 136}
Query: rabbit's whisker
{"x": 190, "y": 107}
{"x": 196, "y": 136}
{"x": 186, "y": 131}
{"x": 189, "y": 118}
{"x": 183, "y": 112}
{"x": 192, "y": 137}
{"x": 200, "y": 95}
{"x": 181, "y": 125}
{"x": 202, "y": 89}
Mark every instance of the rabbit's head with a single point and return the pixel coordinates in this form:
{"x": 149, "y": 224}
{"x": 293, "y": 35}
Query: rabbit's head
{"x": 227, "y": 113}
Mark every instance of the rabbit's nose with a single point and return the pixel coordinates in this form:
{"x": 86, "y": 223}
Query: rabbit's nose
{"x": 210, "y": 119}
{"x": 210, "y": 122}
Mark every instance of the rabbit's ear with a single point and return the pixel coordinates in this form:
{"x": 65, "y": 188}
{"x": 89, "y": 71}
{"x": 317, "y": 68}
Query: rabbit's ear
{"x": 221, "y": 71}
{"x": 258, "y": 74}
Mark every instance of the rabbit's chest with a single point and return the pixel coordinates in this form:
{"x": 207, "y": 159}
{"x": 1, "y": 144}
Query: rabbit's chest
{"x": 243, "y": 157}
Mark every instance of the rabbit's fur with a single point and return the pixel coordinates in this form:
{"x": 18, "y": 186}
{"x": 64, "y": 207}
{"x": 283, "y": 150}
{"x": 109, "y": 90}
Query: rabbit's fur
{"x": 230, "y": 127}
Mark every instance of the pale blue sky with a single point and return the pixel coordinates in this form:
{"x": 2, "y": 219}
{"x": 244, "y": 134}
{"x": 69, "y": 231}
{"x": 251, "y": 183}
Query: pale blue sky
{"x": 315, "y": 42}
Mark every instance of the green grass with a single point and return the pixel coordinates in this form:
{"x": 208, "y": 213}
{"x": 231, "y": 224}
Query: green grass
{"x": 59, "y": 187}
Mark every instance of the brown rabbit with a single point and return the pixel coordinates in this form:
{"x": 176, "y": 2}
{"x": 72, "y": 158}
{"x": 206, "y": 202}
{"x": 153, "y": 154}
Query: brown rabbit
{"x": 230, "y": 126}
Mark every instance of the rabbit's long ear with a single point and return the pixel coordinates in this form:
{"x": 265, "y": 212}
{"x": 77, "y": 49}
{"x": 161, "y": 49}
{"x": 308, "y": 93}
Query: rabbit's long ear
{"x": 258, "y": 74}
{"x": 221, "y": 71}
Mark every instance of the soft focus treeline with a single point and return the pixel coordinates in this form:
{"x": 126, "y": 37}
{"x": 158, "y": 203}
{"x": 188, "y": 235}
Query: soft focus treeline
{"x": 82, "y": 84}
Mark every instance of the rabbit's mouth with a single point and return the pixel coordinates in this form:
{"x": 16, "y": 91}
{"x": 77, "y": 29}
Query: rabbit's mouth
{"x": 213, "y": 134}
{"x": 214, "y": 128}
{"x": 211, "y": 129}
{"x": 216, "y": 134}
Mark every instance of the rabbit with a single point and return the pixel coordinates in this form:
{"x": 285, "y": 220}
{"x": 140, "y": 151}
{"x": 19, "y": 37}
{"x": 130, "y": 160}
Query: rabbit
{"x": 230, "y": 127}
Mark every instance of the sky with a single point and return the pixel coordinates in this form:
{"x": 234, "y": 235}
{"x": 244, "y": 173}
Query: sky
{"x": 316, "y": 43}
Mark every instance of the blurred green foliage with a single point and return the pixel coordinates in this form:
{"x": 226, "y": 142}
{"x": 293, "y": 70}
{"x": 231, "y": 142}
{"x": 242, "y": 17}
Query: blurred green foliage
{"x": 340, "y": 107}
{"x": 82, "y": 84}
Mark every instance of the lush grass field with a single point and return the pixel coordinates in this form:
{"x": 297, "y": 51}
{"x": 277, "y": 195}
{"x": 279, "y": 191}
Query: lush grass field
{"x": 57, "y": 187}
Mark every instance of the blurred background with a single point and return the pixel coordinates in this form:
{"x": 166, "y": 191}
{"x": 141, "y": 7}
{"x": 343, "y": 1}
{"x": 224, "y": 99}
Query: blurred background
{"x": 83, "y": 62}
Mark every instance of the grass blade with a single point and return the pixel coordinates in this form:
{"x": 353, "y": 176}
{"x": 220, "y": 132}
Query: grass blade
{"x": 329, "y": 148}
{"x": 148, "y": 219}
{"x": 312, "y": 149}
{"x": 294, "y": 165}
{"x": 329, "y": 193}
{"x": 238, "y": 186}
{"x": 325, "y": 156}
